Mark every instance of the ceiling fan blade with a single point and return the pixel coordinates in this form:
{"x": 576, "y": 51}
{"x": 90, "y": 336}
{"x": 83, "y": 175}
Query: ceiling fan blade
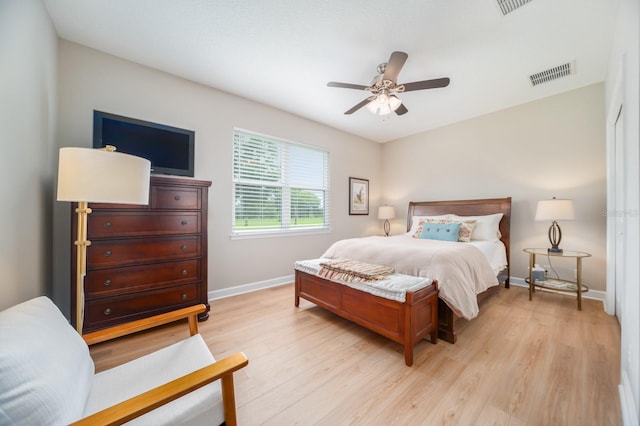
{"x": 402, "y": 110}
{"x": 426, "y": 84}
{"x": 358, "y": 106}
{"x": 393, "y": 67}
{"x": 346, "y": 85}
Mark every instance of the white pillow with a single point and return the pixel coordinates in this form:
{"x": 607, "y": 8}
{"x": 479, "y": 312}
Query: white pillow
{"x": 46, "y": 371}
{"x": 415, "y": 221}
{"x": 487, "y": 226}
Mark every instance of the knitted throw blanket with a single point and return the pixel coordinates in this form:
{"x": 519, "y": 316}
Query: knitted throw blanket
{"x": 348, "y": 270}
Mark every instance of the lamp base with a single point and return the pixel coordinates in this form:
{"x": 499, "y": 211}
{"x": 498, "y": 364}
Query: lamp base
{"x": 387, "y": 227}
{"x": 555, "y": 235}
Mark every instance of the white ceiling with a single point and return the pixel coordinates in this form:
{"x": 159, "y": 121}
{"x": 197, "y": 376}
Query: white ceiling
{"x": 283, "y": 52}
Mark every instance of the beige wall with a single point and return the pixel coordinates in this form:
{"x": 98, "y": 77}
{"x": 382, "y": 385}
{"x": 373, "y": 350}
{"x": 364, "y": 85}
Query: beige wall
{"x": 27, "y": 128}
{"x": 90, "y": 80}
{"x": 551, "y": 147}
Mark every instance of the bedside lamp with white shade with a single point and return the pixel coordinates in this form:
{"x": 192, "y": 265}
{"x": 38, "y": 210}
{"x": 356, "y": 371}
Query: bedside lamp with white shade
{"x": 555, "y": 210}
{"x": 385, "y": 213}
{"x": 88, "y": 175}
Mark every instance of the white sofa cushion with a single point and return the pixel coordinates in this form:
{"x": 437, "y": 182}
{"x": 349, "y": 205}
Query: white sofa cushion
{"x": 203, "y": 406}
{"x": 46, "y": 371}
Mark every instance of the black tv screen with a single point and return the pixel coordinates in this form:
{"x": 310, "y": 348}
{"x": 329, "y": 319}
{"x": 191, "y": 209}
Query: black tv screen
{"x": 170, "y": 149}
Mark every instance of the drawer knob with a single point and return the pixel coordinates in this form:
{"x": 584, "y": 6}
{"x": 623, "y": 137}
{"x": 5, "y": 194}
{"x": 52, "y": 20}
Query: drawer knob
{"x": 183, "y": 223}
{"x": 177, "y": 198}
{"x": 107, "y": 311}
{"x": 107, "y": 283}
{"x": 183, "y": 248}
{"x": 184, "y": 296}
{"x": 184, "y": 272}
{"x": 107, "y": 225}
{"x": 107, "y": 253}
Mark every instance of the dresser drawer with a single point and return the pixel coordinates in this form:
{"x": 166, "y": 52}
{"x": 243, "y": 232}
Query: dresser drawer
{"x": 121, "y": 252}
{"x": 132, "y": 224}
{"x": 176, "y": 198}
{"x": 102, "y": 312}
{"x": 113, "y": 281}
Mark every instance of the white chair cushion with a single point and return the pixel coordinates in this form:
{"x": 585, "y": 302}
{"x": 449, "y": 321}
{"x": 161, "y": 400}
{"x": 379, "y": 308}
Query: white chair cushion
{"x": 203, "y": 406}
{"x": 46, "y": 371}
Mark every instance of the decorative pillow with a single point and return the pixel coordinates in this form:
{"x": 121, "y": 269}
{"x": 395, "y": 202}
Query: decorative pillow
{"x": 440, "y": 231}
{"x": 417, "y": 221}
{"x": 466, "y": 230}
{"x": 46, "y": 372}
{"x": 464, "y": 235}
{"x": 487, "y": 226}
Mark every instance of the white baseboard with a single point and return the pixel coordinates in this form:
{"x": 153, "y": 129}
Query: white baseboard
{"x": 248, "y": 288}
{"x": 627, "y": 406}
{"x": 260, "y": 285}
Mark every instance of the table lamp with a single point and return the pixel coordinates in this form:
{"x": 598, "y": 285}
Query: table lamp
{"x": 555, "y": 210}
{"x": 386, "y": 213}
{"x": 98, "y": 176}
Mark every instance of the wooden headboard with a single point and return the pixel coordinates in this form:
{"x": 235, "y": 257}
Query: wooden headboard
{"x": 467, "y": 208}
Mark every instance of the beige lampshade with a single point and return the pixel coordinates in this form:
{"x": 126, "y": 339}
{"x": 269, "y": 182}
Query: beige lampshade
{"x": 100, "y": 176}
{"x": 550, "y": 210}
{"x": 386, "y": 212}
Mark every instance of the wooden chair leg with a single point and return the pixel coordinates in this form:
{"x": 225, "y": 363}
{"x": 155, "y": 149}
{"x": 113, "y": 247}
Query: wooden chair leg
{"x": 229, "y": 400}
{"x": 193, "y": 325}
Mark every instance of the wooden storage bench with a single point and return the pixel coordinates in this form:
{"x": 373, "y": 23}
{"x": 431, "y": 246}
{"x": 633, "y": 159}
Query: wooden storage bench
{"x": 403, "y": 322}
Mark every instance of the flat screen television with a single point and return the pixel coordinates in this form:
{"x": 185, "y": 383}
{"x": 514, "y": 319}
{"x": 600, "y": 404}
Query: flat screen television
{"x": 170, "y": 149}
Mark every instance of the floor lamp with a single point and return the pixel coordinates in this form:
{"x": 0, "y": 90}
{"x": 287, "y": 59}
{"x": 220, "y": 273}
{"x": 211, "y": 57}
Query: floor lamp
{"x": 88, "y": 175}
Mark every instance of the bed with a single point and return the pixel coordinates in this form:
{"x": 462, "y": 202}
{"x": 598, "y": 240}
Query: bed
{"x": 319, "y": 290}
{"x": 446, "y": 316}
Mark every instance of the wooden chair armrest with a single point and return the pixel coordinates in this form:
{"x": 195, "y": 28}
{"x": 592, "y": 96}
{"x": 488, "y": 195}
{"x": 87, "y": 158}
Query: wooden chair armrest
{"x": 150, "y": 400}
{"x": 190, "y": 312}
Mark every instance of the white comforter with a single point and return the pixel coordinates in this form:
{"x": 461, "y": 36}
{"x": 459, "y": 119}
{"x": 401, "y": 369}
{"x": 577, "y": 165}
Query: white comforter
{"x": 461, "y": 269}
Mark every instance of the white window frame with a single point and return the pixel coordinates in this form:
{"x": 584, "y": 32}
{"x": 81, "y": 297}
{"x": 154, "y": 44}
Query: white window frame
{"x": 285, "y": 227}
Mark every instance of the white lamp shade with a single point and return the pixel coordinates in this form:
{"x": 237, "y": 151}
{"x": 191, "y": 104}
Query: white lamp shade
{"x": 549, "y": 210}
{"x": 100, "y": 176}
{"x": 386, "y": 212}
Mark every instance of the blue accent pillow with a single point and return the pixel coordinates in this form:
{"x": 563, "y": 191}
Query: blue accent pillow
{"x": 440, "y": 231}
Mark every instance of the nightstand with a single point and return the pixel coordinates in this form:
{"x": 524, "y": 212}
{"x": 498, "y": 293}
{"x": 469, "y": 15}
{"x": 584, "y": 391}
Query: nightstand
{"x": 557, "y": 284}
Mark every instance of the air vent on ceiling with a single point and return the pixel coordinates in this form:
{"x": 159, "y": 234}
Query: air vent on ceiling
{"x": 551, "y": 74}
{"x": 508, "y": 6}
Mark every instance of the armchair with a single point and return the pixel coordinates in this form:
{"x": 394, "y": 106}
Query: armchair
{"x": 47, "y": 375}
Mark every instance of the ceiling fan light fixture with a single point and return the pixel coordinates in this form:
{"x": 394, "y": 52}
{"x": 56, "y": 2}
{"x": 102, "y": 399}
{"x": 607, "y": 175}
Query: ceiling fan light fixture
{"x": 384, "y": 105}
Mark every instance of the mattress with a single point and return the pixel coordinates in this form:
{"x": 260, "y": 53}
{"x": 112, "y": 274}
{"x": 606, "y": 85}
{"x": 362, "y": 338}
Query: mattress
{"x": 395, "y": 287}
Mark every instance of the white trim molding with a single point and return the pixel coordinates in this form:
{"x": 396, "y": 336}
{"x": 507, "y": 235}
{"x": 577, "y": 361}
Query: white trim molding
{"x": 248, "y": 288}
{"x": 627, "y": 406}
{"x": 288, "y": 279}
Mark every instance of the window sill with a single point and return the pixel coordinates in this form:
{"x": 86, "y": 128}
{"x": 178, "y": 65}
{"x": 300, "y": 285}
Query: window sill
{"x": 248, "y": 235}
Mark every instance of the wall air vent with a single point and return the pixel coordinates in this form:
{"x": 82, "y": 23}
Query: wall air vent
{"x": 551, "y": 74}
{"x": 508, "y": 6}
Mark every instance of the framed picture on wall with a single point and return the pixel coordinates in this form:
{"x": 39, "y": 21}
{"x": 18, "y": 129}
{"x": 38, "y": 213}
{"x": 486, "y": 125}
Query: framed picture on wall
{"x": 358, "y": 196}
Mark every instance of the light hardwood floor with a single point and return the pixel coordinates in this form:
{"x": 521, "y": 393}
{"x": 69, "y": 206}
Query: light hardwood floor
{"x": 518, "y": 363}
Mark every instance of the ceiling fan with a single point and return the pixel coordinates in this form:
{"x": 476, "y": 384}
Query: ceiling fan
{"x": 383, "y": 88}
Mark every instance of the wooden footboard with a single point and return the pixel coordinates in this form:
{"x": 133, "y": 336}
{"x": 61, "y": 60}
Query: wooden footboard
{"x": 405, "y": 323}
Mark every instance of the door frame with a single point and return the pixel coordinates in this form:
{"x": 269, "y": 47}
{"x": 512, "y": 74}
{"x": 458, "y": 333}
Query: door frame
{"x": 614, "y": 109}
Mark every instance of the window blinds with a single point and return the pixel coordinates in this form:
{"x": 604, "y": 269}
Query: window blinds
{"x": 278, "y": 186}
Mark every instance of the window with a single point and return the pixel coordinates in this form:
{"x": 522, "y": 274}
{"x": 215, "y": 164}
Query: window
{"x": 278, "y": 186}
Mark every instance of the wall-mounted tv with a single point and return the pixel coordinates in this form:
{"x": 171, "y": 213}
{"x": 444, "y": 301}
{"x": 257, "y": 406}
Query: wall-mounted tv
{"x": 170, "y": 149}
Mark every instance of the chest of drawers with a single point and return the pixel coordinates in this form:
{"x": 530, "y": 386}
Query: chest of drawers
{"x": 145, "y": 260}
